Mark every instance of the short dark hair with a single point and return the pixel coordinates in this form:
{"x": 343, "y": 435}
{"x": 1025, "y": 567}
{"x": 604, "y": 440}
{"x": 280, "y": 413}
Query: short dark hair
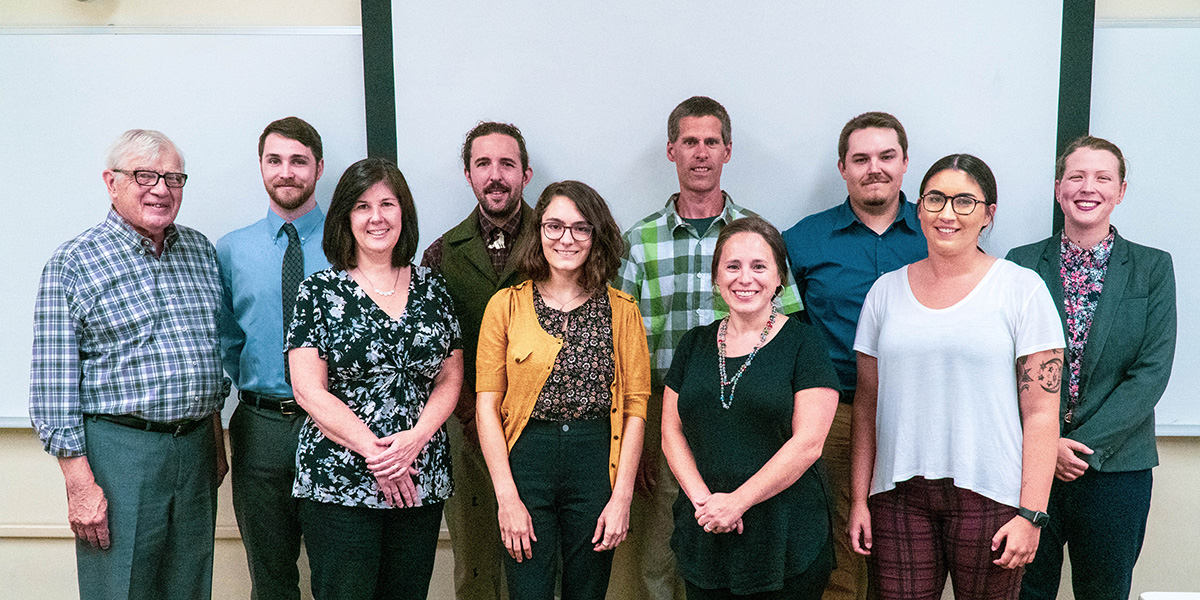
{"x": 699, "y": 106}
{"x": 769, "y": 234}
{"x": 973, "y": 166}
{"x": 339, "y": 244}
{"x": 868, "y": 120}
{"x": 608, "y": 246}
{"x": 488, "y": 128}
{"x": 1095, "y": 143}
{"x": 294, "y": 128}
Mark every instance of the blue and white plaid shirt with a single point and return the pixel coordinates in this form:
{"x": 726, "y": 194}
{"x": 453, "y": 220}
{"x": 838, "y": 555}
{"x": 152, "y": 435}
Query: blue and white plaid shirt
{"x": 668, "y": 269}
{"x": 118, "y": 331}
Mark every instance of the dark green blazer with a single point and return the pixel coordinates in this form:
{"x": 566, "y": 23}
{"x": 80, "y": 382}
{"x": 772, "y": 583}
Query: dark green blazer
{"x": 472, "y": 280}
{"x": 1128, "y": 356}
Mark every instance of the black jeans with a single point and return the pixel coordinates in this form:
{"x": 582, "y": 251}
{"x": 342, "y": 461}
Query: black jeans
{"x": 1102, "y": 519}
{"x": 370, "y": 553}
{"x": 561, "y": 473}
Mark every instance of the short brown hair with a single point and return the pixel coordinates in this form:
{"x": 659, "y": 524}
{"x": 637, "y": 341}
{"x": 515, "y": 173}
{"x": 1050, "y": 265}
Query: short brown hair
{"x": 294, "y": 128}
{"x": 608, "y": 246}
{"x": 769, "y": 234}
{"x": 868, "y": 120}
{"x": 1095, "y": 143}
{"x": 339, "y": 245}
{"x": 488, "y": 128}
{"x": 699, "y": 106}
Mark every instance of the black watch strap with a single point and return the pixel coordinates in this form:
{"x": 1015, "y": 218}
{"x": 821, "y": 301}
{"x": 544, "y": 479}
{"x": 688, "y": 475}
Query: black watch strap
{"x": 1038, "y": 518}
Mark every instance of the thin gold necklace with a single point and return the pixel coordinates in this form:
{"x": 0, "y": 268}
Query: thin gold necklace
{"x": 561, "y": 305}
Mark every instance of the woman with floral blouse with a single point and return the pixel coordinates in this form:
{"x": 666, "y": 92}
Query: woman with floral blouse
{"x": 376, "y": 361}
{"x": 563, "y": 377}
{"x": 1117, "y": 302}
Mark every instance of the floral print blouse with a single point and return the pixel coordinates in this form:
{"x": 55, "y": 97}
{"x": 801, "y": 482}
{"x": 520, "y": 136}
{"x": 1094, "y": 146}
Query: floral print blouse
{"x": 1082, "y": 271}
{"x": 383, "y": 369}
{"x": 580, "y": 384}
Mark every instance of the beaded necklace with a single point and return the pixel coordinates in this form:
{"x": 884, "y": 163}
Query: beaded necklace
{"x": 732, "y": 383}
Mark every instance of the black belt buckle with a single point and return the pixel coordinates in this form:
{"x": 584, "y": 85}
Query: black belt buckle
{"x": 289, "y": 407}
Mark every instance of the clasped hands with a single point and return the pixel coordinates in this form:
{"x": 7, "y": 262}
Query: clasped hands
{"x": 719, "y": 513}
{"x": 394, "y": 470}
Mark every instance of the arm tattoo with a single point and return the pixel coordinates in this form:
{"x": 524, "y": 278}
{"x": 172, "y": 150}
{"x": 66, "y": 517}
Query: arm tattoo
{"x": 1023, "y": 378}
{"x": 1051, "y": 371}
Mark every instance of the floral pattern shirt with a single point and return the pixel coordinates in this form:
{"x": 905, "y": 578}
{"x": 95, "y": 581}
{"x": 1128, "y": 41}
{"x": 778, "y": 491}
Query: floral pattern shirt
{"x": 383, "y": 369}
{"x": 1082, "y": 271}
{"x": 579, "y": 387}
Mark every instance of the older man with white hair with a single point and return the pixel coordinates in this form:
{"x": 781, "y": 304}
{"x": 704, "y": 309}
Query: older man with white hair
{"x": 126, "y": 386}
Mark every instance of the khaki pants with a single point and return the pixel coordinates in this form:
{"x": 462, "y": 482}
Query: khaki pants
{"x": 849, "y": 579}
{"x": 644, "y": 565}
{"x": 471, "y": 518}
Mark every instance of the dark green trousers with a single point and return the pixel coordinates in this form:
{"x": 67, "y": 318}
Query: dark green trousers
{"x": 263, "y": 467}
{"x": 162, "y": 511}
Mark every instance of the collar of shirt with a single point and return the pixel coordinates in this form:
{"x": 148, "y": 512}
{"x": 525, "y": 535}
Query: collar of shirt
{"x": 489, "y": 229}
{"x": 124, "y": 230}
{"x": 1076, "y": 256}
{"x": 906, "y": 215}
{"x": 674, "y": 221}
{"x": 306, "y": 224}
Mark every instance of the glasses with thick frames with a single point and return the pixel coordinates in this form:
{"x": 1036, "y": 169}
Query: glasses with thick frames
{"x": 963, "y": 204}
{"x": 150, "y": 178}
{"x": 580, "y": 232}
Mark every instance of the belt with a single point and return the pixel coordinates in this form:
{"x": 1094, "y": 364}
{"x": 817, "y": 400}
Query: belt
{"x": 285, "y": 405}
{"x": 176, "y": 429}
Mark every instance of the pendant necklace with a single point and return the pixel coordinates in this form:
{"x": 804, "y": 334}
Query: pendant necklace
{"x": 732, "y": 383}
{"x": 377, "y": 290}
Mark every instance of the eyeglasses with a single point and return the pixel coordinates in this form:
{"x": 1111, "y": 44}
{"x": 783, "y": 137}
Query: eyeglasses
{"x": 150, "y": 178}
{"x": 579, "y": 232}
{"x": 963, "y": 204}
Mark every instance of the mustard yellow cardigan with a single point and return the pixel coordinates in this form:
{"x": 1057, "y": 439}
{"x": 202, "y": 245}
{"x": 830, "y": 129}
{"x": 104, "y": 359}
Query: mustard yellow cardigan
{"x": 516, "y": 356}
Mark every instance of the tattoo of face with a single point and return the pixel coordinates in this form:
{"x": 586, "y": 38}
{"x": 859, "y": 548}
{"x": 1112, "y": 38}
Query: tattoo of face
{"x": 1050, "y": 373}
{"x": 1023, "y": 377}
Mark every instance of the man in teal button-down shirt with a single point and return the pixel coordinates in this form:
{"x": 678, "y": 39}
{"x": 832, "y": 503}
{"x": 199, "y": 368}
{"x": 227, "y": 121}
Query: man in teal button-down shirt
{"x": 265, "y": 426}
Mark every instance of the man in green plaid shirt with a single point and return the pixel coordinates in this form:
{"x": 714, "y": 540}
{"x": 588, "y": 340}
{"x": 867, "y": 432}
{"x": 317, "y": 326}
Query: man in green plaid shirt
{"x": 668, "y": 269}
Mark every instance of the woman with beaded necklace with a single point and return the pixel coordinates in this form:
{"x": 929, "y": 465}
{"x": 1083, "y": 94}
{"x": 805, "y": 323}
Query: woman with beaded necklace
{"x": 563, "y": 377}
{"x": 748, "y": 402}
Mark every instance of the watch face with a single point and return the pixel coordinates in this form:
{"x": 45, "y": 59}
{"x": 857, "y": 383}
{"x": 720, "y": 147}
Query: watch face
{"x": 1041, "y": 519}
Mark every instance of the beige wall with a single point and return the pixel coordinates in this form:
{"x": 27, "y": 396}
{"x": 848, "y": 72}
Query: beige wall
{"x": 37, "y": 557}
{"x": 36, "y": 551}
{"x": 181, "y": 12}
{"x": 347, "y": 12}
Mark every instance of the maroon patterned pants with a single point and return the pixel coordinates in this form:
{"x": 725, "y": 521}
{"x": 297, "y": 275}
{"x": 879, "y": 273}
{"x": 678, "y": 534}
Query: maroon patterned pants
{"x": 923, "y": 529}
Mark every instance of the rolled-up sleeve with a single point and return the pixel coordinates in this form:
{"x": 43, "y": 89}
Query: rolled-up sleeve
{"x": 54, "y": 405}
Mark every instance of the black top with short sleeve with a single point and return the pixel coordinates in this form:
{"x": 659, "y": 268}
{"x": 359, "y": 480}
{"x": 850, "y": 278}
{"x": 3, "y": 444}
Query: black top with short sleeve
{"x": 783, "y": 534}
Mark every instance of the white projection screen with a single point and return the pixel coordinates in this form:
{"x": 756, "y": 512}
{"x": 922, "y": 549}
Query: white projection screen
{"x": 591, "y": 86}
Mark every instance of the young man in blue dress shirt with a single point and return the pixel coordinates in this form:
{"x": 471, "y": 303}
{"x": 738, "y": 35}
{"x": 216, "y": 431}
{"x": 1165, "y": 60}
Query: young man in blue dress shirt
{"x": 261, "y": 267}
{"x": 836, "y": 256}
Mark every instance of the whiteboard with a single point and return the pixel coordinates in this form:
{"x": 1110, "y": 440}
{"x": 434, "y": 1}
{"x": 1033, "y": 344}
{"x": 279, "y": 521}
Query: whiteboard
{"x": 1145, "y": 82}
{"x": 591, "y": 87}
{"x": 67, "y": 93}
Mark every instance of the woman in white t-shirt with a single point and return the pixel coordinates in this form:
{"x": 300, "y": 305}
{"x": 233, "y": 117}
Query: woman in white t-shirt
{"x": 956, "y": 415}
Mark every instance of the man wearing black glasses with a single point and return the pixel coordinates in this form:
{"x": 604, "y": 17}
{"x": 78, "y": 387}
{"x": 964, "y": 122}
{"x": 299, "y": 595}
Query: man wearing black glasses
{"x": 836, "y": 256}
{"x": 475, "y": 258}
{"x": 125, "y": 383}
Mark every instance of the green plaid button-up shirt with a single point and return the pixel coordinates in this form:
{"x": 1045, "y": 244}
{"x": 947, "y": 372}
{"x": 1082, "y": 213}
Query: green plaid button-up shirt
{"x": 668, "y": 268}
